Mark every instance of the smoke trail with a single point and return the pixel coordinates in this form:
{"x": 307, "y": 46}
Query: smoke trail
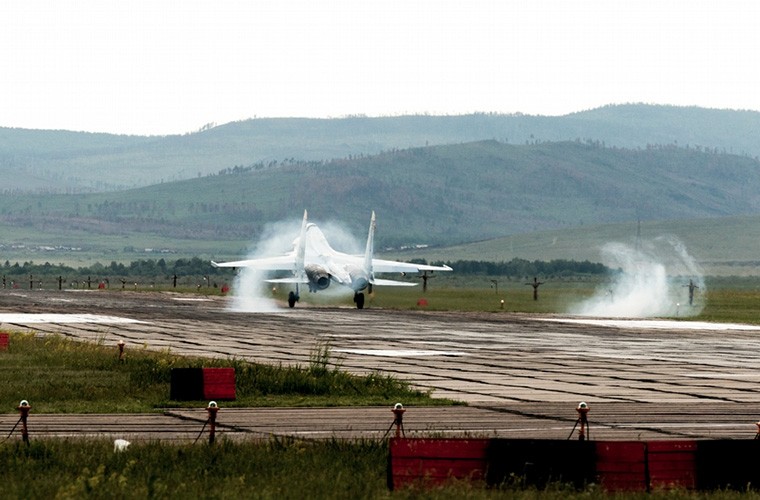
{"x": 652, "y": 281}
{"x": 250, "y": 291}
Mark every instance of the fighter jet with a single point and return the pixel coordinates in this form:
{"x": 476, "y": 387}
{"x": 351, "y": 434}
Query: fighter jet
{"x": 315, "y": 263}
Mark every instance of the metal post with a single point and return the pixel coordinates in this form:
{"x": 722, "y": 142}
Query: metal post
{"x": 398, "y": 412}
{"x": 582, "y": 420}
{"x": 212, "y": 409}
{"x": 23, "y": 409}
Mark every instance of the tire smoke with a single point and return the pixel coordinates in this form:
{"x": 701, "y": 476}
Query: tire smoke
{"x": 250, "y": 291}
{"x": 654, "y": 279}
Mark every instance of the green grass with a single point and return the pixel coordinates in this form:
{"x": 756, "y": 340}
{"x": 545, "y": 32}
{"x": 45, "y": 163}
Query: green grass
{"x": 59, "y": 375}
{"x": 732, "y": 306}
{"x": 725, "y": 300}
{"x": 273, "y": 469}
{"x": 517, "y": 297}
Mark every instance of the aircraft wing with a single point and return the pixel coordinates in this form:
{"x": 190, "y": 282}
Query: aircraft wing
{"x": 280, "y": 263}
{"x": 392, "y": 266}
{"x": 382, "y": 282}
{"x": 294, "y": 279}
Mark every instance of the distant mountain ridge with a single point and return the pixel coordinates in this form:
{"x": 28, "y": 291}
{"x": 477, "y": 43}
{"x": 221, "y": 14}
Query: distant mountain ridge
{"x": 74, "y": 162}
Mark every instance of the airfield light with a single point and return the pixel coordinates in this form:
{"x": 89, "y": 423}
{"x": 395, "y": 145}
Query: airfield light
{"x": 583, "y": 431}
{"x": 212, "y": 409}
{"x": 398, "y": 415}
{"x": 23, "y": 409}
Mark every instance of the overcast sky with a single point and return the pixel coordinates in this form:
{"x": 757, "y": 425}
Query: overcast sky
{"x": 165, "y": 67}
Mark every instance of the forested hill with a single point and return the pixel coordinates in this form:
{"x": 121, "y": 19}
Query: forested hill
{"x": 64, "y": 161}
{"x": 437, "y": 195}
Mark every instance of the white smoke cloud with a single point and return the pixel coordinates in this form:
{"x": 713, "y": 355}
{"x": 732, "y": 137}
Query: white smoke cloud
{"x": 250, "y": 291}
{"x": 653, "y": 281}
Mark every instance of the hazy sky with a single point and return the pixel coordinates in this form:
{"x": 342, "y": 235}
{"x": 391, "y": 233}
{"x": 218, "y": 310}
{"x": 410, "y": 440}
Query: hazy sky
{"x": 164, "y": 67}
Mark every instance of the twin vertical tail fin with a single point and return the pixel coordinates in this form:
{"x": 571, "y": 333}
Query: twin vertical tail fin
{"x": 369, "y": 252}
{"x": 300, "y": 270}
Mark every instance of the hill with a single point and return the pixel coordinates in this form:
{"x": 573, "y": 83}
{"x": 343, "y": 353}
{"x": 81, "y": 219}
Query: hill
{"x": 44, "y": 161}
{"x": 436, "y": 196}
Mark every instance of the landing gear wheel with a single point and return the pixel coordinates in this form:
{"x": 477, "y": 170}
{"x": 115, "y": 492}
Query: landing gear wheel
{"x": 292, "y": 299}
{"x": 359, "y": 299}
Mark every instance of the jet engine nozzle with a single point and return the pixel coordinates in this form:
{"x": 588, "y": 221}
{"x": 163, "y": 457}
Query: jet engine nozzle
{"x": 319, "y": 278}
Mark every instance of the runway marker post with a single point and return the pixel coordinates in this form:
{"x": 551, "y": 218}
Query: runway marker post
{"x": 398, "y": 419}
{"x": 212, "y": 410}
{"x": 583, "y": 431}
{"x": 23, "y": 409}
{"x": 398, "y": 415}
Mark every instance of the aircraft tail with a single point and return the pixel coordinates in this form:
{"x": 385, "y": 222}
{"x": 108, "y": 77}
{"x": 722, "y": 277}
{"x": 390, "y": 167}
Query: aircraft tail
{"x": 370, "y": 250}
{"x": 300, "y": 270}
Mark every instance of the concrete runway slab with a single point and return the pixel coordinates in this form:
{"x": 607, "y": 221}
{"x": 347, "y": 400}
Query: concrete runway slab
{"x": 521, "y": 375}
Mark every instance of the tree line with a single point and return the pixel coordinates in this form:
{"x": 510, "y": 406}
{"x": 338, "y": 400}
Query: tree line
{"x": 138, "y": 268}
{"x": 161, "y": 268}
{"x": 522, "y": 267}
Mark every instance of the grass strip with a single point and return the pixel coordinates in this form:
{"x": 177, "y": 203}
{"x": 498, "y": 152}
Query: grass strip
{"x": 59, "y": 375}
{"x": 282, "y": 468}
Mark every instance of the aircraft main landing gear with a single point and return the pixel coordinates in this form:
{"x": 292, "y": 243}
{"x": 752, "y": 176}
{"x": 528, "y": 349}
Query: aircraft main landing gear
{"x": 359, "y": 300}
{"x": 292, "y": 299}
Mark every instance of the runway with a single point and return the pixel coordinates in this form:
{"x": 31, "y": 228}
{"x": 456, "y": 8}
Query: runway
{"x": 519, "y": 375}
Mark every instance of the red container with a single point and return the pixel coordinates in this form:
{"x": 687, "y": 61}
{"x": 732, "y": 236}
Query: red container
{"x": 219, "y": 383}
